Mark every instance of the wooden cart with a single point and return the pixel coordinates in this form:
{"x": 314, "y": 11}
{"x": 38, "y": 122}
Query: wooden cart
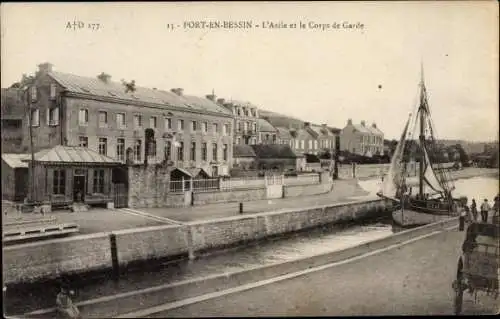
{"x": 479, "y": 266}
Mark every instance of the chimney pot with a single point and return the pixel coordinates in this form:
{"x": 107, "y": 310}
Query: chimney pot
{"x": 211, "y": 97}
{"x": 104, "y": 77}
{"x": 363, "y": 123}
{"x": 374, "y": 125}
{"x": 307, "y": 124}
{"x": 221, "y": 101}
{"x": 349, "y": 122}
{"x": 178, "y": 91}
{"x": 45, "y": 67}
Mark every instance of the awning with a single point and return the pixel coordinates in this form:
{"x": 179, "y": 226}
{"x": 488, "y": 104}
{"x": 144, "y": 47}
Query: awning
{"x": 72, "y": 154}
{"x": 182, "y": 170}
{"x": 16, "y": 160}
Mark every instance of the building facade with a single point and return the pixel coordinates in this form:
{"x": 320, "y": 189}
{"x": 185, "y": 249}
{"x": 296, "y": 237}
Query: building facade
{"x": 114, "y": 119}
{"x": 246, "y": 126}
{"x": 268, "y": 133}
{"x": 305, "y": 141}
{"x": 325, "y": 137}
{"x": 362, "y": 139}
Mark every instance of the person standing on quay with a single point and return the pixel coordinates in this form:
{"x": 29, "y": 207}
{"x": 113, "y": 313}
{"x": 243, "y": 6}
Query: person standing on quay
{"x": 473, "y": 209}
{"x": 485, "y": 208}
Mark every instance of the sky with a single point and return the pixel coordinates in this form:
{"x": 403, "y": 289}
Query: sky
{"x": 322, "y": 76}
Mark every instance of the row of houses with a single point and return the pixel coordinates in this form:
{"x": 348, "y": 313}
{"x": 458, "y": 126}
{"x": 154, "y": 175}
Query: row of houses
{"x": 83, "y": 129}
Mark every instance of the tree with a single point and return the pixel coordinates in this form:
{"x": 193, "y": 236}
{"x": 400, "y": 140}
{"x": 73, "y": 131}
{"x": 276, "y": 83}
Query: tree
{"x": 464, "y": 157}
{"x": 26, "y": 80}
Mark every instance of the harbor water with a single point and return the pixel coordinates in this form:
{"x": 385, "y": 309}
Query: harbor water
{"x": 299, "y": 245}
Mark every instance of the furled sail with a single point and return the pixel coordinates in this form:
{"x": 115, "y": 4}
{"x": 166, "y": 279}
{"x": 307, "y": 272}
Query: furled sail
{"x": 394, "y": 177}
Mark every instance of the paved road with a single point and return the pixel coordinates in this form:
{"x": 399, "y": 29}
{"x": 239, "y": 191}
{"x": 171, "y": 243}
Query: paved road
{"x": 213, "y": 211}
{"x": 411, "y": 280}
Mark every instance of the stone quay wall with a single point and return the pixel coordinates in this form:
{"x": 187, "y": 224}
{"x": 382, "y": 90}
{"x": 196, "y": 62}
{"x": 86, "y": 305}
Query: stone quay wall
{"x": 53, "y": 258}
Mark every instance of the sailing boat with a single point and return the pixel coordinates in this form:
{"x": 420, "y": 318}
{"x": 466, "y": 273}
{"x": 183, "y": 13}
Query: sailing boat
{"x": 433, "y": 201}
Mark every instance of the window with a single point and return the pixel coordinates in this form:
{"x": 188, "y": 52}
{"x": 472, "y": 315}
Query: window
{"x": 204, "y": 151}
{"x": 267, "y": 137}
{"x": 254, "y": 127}
{"x": 53, "y": 91}
{"x": 193, "y": 126}
{"x": 246, "y": 112}
{"x": 310, "y": 144}
{"x": 204, "y": 127}
{"x": 239, "y": 126}
{"x": 54, "y": 116}
{"x": 168, "y": 123}
{"x": 35, "y": 117}
{"x": 103, "y": 145}
{"x": 216, "y": 128}
{"x": 193, "y": 151}
{"x": 180, "y": 125}
{"x": 315, "y": 144}
{"x": 245, "y": 126}
{"x": 180, "y": 151}
{"x": 168, "y": 150}
{"x": 254, "y": 141}
{"x": 291, "y": 143}
{"x": 83, "y": 141}
{"x": 137, "y": 150}
{"x": 83, "y": 117}
{"x": 226, "y": 129}
{"x": 224, "y": 152}
{"x": 120, "y": 149}
{"x": 120, "y": 121}
{"x": 297, "y": 144}
{"x": 274, "y": 138}
{"x": 254, "y": 113}
{"x": 238, "y": 141}
{"x": 59, "y": 182}
{"x": 302, "y": 144}
{"x": 137, "y": 121}
{"x": 34, "y": 93}
{"x": 238, "y": 111}
{"x": 103, "y": 119}
{"x": 215, "y": 156}
{"x": 99, "y": 181}
{"x": 152, "y": 148}
{"x": 152, "y": 122}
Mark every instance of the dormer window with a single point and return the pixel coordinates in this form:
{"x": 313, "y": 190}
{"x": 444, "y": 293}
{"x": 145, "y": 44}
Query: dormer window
{"x": 238, "y": 112}
{"x": 53, "y": 91}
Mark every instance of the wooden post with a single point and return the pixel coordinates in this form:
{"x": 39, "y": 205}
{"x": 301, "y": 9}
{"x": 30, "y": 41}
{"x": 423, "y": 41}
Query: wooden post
{"x": 183, "y": 188}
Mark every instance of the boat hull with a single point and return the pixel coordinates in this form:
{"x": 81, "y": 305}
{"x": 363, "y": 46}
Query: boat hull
{"x": 413, "y": 218}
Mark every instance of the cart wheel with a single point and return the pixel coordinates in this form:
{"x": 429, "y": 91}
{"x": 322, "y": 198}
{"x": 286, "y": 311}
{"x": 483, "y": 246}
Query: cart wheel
{"x": 459, "y": 289}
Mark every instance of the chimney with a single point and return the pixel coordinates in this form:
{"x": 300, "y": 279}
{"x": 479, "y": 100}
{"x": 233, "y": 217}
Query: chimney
{"x": 104, "y": 77}
{"x": 349, "y": 122}
{"x": 211, "y": 97}
{"x": 363, "y": 123}
{"x": 374, "y": 125}
{"x": 178, "y": 91}
{"x": 324, "y": 125}
{"x": 307, "y": 124}
{"x": 220, "y": 101}
{"x": 45, "y": 67}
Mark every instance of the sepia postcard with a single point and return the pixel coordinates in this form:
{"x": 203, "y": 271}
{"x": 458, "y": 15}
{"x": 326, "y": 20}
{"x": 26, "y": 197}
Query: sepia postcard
{"x": 220, "y": 159}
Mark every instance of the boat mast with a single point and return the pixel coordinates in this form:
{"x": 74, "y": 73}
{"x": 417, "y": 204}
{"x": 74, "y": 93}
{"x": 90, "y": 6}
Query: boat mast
{"x": 421, "y": 110}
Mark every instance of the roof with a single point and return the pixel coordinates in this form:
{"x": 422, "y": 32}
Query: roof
{"x": 197, "y": 171}
{"x": 284, "y": 133}
{"x": 72, "y": 154}
{"x": 273, "y": 151}
{"x": 304, "y": 134}
{"x": 367, "y": 129}
{"x": 242, "y": 103}
{"x": 321, "y": 130}
{"x": 96, "y": 87}
{"x": 265, "y": 126}
{"x": 16, "y": 160}
{"x": 243, "y": 151}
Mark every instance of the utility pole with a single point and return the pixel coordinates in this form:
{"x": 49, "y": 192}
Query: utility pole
{"x": 32, "y": 166}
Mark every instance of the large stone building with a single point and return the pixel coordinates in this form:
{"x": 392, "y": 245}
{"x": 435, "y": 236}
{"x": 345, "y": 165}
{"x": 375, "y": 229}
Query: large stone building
{"x": 246, "y": 116}
{"x": 114, "y": 118}
{"x": 362, "y": 139}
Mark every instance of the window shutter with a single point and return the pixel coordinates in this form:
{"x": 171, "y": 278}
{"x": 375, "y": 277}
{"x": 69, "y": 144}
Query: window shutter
{"x": 48, "y": 115}
{"x": 56, "y": 116}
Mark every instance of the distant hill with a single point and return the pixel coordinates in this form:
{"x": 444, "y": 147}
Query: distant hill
{"x": 470, "y": 147}
{"x": 282, "y": 120}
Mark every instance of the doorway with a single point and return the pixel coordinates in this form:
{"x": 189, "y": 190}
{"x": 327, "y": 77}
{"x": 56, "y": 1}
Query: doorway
{"x": 79, "y": 183}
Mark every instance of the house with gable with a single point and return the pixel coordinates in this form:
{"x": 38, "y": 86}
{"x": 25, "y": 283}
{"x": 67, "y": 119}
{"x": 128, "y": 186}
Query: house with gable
{"x": 362, "y": 139}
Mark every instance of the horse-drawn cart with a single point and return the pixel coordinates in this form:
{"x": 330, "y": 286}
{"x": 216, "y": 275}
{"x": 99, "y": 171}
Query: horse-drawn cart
{"x": 479, "y": 266}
